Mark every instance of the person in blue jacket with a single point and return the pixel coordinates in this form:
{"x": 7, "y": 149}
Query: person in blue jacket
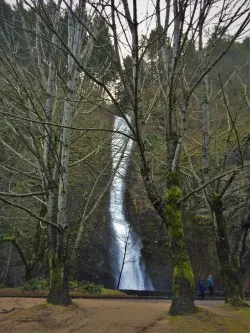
{"x": 202, "y": 288}
{"x": 210, "y": 284}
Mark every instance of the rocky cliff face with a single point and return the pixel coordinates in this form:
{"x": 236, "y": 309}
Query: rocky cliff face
{"x": 148, "y": 226}
{"x": 94, "y": 259}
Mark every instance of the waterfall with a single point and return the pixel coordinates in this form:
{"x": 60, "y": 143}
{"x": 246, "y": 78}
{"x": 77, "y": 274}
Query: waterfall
{"x": 127, "y": 264}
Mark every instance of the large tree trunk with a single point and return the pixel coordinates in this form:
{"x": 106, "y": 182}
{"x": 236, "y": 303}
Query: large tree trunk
{"x": 59, "y": 273}
{"x": 59, "y": 291}
{"x": 170, "y": 211}
{"x": 58, "y": 257}
{"x": 183, "y": 279}
{"x": 232, "y": 277}
{"x": 59, "y": 261}
{"x": 230, "y": 265}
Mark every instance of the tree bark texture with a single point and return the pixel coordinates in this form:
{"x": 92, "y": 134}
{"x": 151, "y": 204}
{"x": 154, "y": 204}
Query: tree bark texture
{"x": 59, "y": 261}
{"x": 59, "y": 274}
{"x": 183, "y": 279}
{"x": 230, "y": 264}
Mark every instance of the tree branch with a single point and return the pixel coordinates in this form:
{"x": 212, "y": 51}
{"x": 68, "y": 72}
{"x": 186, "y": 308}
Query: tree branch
{"x": 21, "y": 195}
{"x": 31, "y": 214}
{"x": 212, "y": 180}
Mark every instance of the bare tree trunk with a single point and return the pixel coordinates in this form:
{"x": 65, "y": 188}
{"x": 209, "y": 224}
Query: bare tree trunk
{"x": 21, "y": 254}
{"x": 58, "y": 294}
{"x": 230, "y": 264}
{"x": 6, "y": 270}
{"x": 205, "y": 102}
{"x": 59, "y": 273}
{"x": 59, "y": 260}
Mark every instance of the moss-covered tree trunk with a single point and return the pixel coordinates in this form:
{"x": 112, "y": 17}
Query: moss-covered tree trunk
{"x": 58, "y": 258}
{"x": 170, "y": 210}
{"x": 230, "y": 263}
{"x": 232, "y": 277}
{"x": 183, "y": 278}
{"x": 59, "y": 273}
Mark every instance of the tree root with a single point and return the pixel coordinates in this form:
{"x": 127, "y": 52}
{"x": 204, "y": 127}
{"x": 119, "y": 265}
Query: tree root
{"x": 8, "y": 310}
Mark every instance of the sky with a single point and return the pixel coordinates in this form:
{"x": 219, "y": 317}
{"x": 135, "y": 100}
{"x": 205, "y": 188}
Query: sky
{"x": 146, "y": 9}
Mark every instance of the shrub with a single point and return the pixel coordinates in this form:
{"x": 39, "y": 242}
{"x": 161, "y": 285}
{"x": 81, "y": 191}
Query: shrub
{"x": 91, "y": 288}
{"x": 74, "y": 284}
{"x": 85, "y": 287}
{"x": 32, "y": 285}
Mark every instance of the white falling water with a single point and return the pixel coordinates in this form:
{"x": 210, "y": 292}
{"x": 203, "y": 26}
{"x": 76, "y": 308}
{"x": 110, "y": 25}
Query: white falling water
{"x": 127, "y": 263}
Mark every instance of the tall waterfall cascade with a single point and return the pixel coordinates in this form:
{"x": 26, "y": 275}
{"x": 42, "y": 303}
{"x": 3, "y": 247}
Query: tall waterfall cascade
{"x": 127, "y": 264}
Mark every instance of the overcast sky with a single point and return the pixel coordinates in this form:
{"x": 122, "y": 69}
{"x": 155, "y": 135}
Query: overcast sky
{"x": 146, "y": 8}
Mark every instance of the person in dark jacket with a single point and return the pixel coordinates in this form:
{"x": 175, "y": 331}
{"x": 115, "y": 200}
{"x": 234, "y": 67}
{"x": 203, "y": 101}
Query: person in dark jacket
{"x": 210, "y": 285}
{"x": 202, "y": 288}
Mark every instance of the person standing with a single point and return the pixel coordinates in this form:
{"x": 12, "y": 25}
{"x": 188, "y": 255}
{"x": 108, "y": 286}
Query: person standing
{"x": 202, "y": 288}
{"x": 210, "y": 284}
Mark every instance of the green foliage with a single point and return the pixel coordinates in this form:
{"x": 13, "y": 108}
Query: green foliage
{"x": 33, "y": 285}
{"x": 155, "y": 140}
{"x": 73, "y": 284}
{"x": 5, "y": 14}
{"x": 76, "y": 287}
{"x": 92, "y": 288}
{"x": 103, "y": 55}
{"x": 85, "y": 287}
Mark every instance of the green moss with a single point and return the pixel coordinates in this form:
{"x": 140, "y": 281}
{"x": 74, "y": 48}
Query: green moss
{"x": 44, "y": 305}
{"x": 219, "y": 319}
{"x": 56, "y": 282}
{"x": 232, "y": 280}
{"x": 174, "y": 194}
{"x": 237, "y": 261}
{"x": 7, "y": 239}
{"x": 173, "y": 178}
{"x": 181, "y": 262}
{"x": 173, "y": 213}
{"x": 111, "y": 292}
{"x": 184, "y": 270}
{"x": 215, "y": 199}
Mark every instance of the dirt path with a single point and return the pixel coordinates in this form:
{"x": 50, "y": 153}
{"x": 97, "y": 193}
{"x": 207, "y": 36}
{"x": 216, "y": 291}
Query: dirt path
{"x": 91, "y": 315}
